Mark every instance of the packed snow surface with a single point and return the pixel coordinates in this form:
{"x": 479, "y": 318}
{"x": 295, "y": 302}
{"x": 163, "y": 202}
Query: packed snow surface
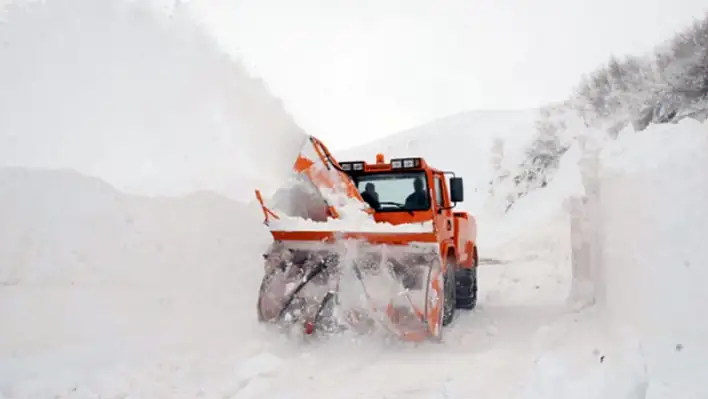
{"x": 592, "y": 287}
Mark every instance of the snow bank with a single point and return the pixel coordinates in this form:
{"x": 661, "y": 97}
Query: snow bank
{"x": 92, "y": 279}
{"x": 634, "y": 213}
{"x": 141, "y": 99}
{"x": 653, "y": 202}
{"x": 125, "y": 137}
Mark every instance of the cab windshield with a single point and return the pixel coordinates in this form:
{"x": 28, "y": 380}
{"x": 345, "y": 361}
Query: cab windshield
{"x": 399, "y": 191}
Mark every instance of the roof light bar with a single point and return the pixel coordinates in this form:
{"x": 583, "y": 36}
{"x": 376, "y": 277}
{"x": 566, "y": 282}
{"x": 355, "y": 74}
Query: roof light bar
{"x": 405, "y": 163}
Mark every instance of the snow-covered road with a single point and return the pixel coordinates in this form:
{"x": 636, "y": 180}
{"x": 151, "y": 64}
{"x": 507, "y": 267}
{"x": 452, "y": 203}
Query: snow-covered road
{"x": 156, "y": 298}
{"x": 130, "y": 257}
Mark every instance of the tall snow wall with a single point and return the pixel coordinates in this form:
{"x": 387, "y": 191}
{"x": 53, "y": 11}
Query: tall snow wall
{"x": 640, "y": 250}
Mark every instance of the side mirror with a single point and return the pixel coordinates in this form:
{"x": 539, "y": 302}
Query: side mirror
{"x": 457, "y": 192}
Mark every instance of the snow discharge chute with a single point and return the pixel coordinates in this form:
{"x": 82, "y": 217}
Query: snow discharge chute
{"x": 332, "y": 266}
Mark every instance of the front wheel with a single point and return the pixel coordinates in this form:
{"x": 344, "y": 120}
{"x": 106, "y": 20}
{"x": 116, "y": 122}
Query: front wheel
{"x": 450, "y": 302}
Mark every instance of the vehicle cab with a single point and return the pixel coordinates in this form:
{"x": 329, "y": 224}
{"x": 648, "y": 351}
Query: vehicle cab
{"x": 407, "y": 190}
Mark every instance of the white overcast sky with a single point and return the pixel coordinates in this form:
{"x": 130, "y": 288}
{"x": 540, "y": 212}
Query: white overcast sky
{"x": 352, "y": 71}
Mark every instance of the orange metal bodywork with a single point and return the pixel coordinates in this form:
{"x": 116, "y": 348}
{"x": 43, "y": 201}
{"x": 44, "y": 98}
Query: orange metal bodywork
{"x": 373, "y": 238}
{"x": 456, "y": 232}
{"x": 451, "y": 239}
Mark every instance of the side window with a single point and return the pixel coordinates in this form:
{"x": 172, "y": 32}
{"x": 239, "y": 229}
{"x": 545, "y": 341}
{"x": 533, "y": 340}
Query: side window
{"x": 439, "y": 191}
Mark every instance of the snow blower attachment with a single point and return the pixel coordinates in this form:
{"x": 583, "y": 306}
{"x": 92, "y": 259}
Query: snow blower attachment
{"x": 342, "y": 259}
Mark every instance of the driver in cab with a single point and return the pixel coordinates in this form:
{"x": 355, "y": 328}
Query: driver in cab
{"x": 419, "y": 198}
{"x": 371, "y": 196}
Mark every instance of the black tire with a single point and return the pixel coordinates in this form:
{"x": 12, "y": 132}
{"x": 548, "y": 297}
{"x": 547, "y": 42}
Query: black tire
{"x": 450, "y": 293}
{"x": 467, "y": 287}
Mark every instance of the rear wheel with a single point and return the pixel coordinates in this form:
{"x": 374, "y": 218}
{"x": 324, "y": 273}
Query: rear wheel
{"x": 467, "y": 287}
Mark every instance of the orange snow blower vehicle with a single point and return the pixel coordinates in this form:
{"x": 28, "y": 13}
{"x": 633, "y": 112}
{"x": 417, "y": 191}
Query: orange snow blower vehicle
{"x": 359, "y": 245}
